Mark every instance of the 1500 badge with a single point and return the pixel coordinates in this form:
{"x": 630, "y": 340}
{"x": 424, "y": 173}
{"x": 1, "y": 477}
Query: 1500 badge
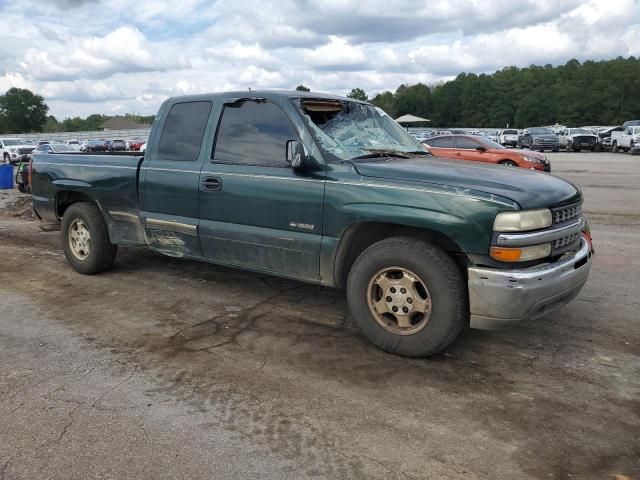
{"x": 304, "y": 226}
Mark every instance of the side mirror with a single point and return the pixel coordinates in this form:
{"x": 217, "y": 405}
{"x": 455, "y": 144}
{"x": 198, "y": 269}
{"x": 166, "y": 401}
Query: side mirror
{"x": 296, "y": 155}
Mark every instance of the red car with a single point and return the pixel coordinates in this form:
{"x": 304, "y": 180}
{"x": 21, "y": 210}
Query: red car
{"x": 481, "y": 149}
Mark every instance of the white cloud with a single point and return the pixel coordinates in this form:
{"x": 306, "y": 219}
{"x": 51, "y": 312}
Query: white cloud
{"x": 123, "y": 50}
{"x": 337, "y": 54}
{"x": 139, "y": 52}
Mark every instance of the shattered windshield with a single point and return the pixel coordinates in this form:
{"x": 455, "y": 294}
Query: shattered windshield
{"x": 352, "y": 130}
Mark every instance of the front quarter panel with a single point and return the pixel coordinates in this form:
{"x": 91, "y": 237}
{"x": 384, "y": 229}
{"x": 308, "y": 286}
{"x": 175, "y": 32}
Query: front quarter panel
{"x": 463, "y": 216}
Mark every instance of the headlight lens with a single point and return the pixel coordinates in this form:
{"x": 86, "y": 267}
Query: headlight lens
{"x": 523, "y": 220}
{"x": 533, "y": 159}
{"x": 521, "y": 254}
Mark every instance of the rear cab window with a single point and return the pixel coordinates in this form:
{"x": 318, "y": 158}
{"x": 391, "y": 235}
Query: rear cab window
{"x": 183, "y": 131}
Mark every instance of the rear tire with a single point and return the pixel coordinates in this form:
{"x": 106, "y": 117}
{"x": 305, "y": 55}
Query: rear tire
{"x": 22, "y": 188}
{"x": 438, "y": 284}
{"x": 614, "y": 147}
{"x": 85, "y": 239}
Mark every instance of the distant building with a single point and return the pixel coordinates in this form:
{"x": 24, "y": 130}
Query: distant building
{"x": 121, "y": 123}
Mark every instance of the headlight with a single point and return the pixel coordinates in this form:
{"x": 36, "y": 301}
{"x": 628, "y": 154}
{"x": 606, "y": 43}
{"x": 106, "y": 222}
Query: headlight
{"x": 12, "y": 150}
{"x": 533, "y": 159}
{"x": 521, "y": 254}
{"x": 523, "y": 220}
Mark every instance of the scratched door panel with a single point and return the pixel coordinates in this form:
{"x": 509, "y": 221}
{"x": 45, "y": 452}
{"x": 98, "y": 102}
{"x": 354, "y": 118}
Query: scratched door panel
{"x": 266, "y": 218}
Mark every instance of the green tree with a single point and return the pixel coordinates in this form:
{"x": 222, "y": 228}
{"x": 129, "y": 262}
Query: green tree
{"x": 52, "y": 125}
{"x": 302, "y": 88}
{"x": 358, "y": 94}
{"x": 386, "y": 102}
{"x": 22, "y": 111}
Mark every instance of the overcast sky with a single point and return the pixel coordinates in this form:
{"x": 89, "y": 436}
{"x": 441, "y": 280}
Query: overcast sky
{"x": 117, "y": 56}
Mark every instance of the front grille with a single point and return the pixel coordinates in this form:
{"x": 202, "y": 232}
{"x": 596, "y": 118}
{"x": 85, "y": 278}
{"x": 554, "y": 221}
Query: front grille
{"x": 565, "y": 241}
{"x": 566, "y": 214}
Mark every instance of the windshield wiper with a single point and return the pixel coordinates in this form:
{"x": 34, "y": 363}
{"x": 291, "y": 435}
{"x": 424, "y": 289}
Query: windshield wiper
{"x": 385, "y": 153}
{"x": 381, "y": 153}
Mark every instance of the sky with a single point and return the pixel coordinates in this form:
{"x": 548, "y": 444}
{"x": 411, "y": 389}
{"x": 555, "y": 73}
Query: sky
{"x": 127, "y": 56}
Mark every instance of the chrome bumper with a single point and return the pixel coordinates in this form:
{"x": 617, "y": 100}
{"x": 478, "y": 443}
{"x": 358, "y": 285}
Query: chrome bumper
{"x": 499, "y": 298}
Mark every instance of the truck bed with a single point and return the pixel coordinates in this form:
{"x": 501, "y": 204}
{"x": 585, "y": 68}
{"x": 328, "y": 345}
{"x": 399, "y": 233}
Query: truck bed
{"x": 110, "y": 179}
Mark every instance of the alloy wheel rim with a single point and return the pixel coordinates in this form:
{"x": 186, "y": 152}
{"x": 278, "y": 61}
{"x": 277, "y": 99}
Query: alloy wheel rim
{"x": 79, "y": 239}
{"x": 399, "y": 300}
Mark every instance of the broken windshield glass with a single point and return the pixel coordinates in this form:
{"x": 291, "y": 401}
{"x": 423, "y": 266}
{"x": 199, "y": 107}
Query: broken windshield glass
{"x": 351, "y": 130}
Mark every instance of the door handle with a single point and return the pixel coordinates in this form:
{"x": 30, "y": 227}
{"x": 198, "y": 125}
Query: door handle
{"x": 212, "y": 184}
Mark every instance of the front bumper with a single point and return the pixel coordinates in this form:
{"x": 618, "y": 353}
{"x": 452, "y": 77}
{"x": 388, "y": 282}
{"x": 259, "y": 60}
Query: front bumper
{"x": 500, "y": 298}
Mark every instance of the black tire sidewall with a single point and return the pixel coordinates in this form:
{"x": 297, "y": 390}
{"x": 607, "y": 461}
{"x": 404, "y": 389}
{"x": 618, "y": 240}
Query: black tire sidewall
{"x": 440, "y": 275}
{"x": 102, "y": 252}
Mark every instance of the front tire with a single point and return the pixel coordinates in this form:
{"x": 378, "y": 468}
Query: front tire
{"x": 85, "y": 239}
{"x": 508, "y": 163}
{"x": 407, "y": 296}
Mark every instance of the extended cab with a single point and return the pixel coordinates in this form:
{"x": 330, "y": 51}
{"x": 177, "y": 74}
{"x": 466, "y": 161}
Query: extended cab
{"x": 332, "y": 191}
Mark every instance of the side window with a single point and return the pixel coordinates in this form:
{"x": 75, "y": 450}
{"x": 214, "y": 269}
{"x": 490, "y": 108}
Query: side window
{"x": 183, "y": 131}
{"x": 440, "y": 142}
{"x": 466, "y": 143}
{"x": 253, "y": 133}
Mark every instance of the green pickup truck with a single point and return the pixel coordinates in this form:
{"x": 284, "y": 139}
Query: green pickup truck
{"x": 332, "y": 191}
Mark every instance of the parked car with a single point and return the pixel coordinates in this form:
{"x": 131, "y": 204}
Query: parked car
{"x": 116, "y": 146}
{"x": 624, "y": 141}
{"x": 330, "y": 191}
{"x": 13, "y": 150}
{"x": 96, "y": 146}
{"x": 481, "y": 149}
{"x": 508, "y": 137}
{"x": 539, "y": 138}
{"x": 143, "y": 147}
{"x": 631, "y": 123}
{"x": 55, "y": 148}
{"x": 135, "y": 145}
{"x": 576, "y": 139}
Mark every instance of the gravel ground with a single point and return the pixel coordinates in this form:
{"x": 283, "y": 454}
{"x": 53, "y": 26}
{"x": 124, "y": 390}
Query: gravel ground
{"x": 165, "y": 368}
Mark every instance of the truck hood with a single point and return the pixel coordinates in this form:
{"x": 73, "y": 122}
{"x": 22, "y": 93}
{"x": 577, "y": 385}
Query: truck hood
{"x": 527, "y": 188}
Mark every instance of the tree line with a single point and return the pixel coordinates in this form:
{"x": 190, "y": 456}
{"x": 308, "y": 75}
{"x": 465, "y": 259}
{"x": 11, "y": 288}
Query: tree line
{"x": 573, "y": 94}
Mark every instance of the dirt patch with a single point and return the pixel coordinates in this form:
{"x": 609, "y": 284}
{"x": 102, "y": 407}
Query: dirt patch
{"x": 16, "y": 204}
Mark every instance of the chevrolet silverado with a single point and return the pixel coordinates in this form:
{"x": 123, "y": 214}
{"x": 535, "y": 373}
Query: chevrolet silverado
{"x": 331, "y": 191}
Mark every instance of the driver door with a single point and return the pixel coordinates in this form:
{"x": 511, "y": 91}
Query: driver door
{"x": 256, "y": 211}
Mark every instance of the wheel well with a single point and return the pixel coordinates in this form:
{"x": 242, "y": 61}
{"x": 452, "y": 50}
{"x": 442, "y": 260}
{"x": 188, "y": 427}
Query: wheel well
{"x": 66, "y": 198}
{"x": 359, "y": 237}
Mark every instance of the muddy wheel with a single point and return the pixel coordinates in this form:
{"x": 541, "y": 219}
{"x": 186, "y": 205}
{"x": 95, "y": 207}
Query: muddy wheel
{"x": 407, "y": 296}
{"x": 85, "y": 239}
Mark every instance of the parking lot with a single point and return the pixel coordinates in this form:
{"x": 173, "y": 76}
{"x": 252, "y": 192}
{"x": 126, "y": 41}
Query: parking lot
{"x": 166, "y": 368}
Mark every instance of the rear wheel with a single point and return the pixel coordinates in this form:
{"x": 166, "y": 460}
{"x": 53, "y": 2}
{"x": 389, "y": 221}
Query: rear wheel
{"x": 85, "y": 239}
{"x": 22, "y": 188}
{"x": 614, "y": 147}
{"x": 407, "y": 296}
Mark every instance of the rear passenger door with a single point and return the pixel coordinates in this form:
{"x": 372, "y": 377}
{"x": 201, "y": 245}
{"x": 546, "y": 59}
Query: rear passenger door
{"x": 169, "y": 179}
{"x": 256, "y": 211}
{"x": 441, "y": 146}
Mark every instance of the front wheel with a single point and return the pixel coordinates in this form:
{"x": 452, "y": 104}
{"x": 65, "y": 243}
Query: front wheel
{"x": 508, "y": 163}
{"x": 85, "y": 239}
{"x": 407, "y": 296}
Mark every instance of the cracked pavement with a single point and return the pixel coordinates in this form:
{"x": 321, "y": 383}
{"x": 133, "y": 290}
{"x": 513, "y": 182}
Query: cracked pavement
{"x": 166, "y": 368}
